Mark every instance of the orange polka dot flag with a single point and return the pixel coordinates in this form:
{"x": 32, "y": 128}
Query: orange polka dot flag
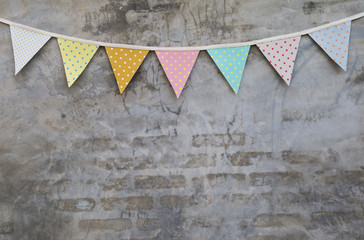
{"x": 335, "y": 42}
{"x": 125, "y": 62}
{"x": 282, "y": 55}
{"x": 76, "y": 56}
{"x": 178, "y": 66}
{"x": 25, "y": 45}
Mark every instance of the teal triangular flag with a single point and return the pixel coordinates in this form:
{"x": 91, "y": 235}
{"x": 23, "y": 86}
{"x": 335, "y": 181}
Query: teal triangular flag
{"x": 231, "y": 62}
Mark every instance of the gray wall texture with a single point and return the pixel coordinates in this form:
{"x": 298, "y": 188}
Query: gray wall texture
{"x": 273, "y": 162}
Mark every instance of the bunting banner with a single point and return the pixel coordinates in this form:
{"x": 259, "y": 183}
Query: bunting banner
{"x": 125, "y": 62}
{"x": 178, "y": 66}
{"x": 25, "y": 45}
{"x": 76, "y": 56}
{"x": 178, "y": 62}
{"x": 281, "y": 54}
{"x": 231, "y": 62}
{"x": 335, "y": 42}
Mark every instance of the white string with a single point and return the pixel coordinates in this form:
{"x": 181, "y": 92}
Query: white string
{"x": 241, "y": 44}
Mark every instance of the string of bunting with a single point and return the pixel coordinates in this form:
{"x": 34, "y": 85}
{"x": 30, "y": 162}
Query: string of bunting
{"x": 177, "y": 62}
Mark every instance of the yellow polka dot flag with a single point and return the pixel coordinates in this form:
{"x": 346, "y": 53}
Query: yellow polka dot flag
{"x": 76, "y": 56}
{"x": 125, "y": 62}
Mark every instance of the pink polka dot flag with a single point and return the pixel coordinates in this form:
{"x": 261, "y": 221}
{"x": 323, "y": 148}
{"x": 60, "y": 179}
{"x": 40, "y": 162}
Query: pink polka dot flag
{"x": 281, "y": 54}
{"x": 177, "y": 65}
{"x": 335, "y": 42}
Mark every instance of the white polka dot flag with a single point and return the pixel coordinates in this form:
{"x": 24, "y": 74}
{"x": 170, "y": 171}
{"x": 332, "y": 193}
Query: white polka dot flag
{"x": 76, "y": 56}
{"x": 335, "y": 42}
{"x": 25, "y": 45}
{"x": 178, "y": 66}
{"x": 282, "y": 55}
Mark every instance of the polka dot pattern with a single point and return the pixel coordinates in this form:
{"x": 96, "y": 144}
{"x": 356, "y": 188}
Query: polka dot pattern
{"x": 231, "y": 62}
{"x": 76, "y": 56}
{"x": 177, "y": 65}
{"x": 281, "y": 54}
{"x": 335, "y": 42}
{"x": 125, "y": 62}
{"x": 25, "y": 45}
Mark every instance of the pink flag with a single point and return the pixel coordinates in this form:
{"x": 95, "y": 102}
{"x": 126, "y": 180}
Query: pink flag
{"x": 177, "y": 65}
{"x": 281, "y": 54}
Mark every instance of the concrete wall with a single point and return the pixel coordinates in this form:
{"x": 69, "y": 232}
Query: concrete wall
{"x": 273, "y": 162}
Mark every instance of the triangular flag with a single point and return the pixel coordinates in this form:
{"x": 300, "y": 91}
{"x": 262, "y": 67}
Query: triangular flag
{"x": 125, "y": 62}
{"x": 231, "y": 62}
{"x": 335, "y": 42}
{"x": 281, "y": 54}
{"x": 25, "y": 45}
{"x": 76, "y": 56}
{"x": 177, "y": 65}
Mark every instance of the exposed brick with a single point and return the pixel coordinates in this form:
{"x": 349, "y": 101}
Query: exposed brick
{"x": 269, "y": 178}
{"x": 136, "y": 163}
{"x": 114, "y": 163}
{"x": 329, "y": 180}
{"x": 128, "y": 203}
{"x": 180, "y": 202}
{"x": 207, "y": 139}
{"x": 116, "y": 184}
{"x": 115, "y": 224}
{"x": 354, "y": 177}
{"x": 244, "y": 158}
{"x": 310, "y": 115}
{"x": 336, "y": 217}
{"x": 96, "y": 143}
{"x": 206, "y": 222}
{"x": 239, "y": 198}
{"x": 173, "y": 201}
{"x": 25, "y": 188}
{"x": 34, "y": 186}
{"x": 148, "y": 224}
{"x": 219, "y": 178}
{"x": 284, "y": 198}
{"x": 198, "y": 183}
{"x": 290, "y": 236}
{"x": 290, "y": 199}
{"x": 218, "y": 140}
{"x": 142, "y": 141}
{"x": 7, "y": 228}
{"x": 301, "y": 158}
{"x": 237, "y": 139}
{"x": 199, "y": 160}
{"x": 337, "y": 195}
{"x": 75, "y": 205}
{"x": 157, "y": 182}
{"x": 350, "y": 236}
{"x": 138, "y": 238}
{"x": 333, "y": 156}
{"x": 277, "y": 220}
{"x": 143, "y": 162}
